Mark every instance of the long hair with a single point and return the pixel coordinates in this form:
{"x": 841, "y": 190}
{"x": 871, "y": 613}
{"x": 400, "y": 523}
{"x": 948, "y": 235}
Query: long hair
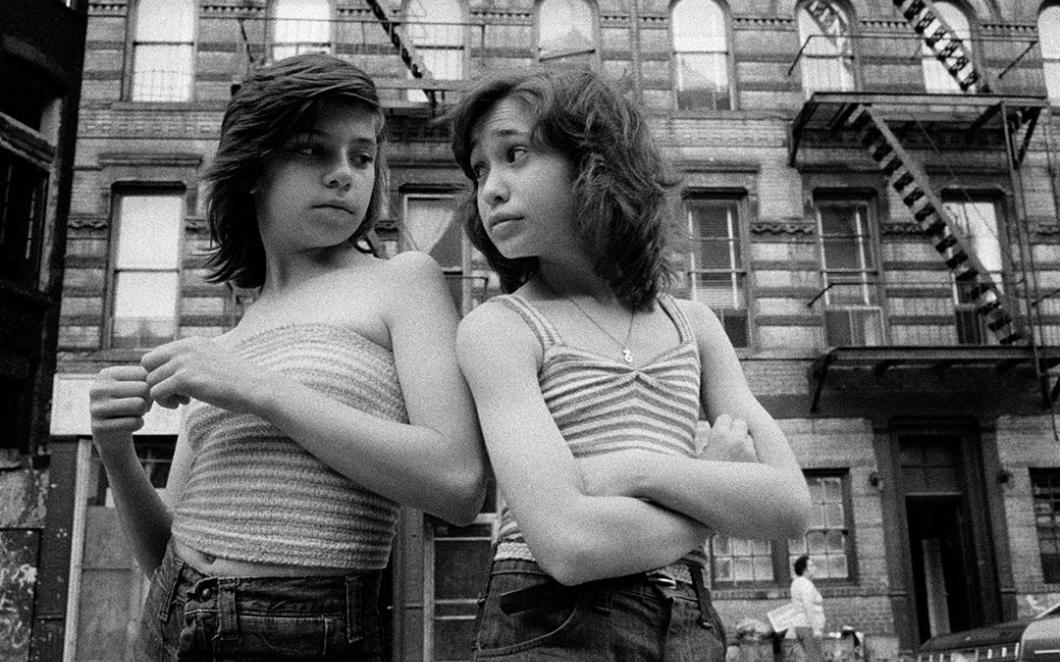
{"x": 261, "y": 116}
{"x": 624, "y": 215}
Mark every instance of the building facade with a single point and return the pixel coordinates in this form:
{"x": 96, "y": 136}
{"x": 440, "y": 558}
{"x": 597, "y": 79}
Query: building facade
{"x": 872, "y": 202}
{"x": 41, "y": 51}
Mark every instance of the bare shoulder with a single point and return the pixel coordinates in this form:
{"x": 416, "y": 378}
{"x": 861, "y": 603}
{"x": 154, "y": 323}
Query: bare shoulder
{"x": 411, "y": 269}
{"x": 704, "y": 321}
{"x": 494, "y": 328}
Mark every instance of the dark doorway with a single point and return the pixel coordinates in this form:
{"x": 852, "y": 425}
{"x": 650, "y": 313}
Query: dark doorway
{"x": 951, "y": 582}
{"x": 943, "y": 572}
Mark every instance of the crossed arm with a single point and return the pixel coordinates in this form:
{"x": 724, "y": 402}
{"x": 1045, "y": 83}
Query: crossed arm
{"x": 628, "y": 511}
{"x": 765, "y": 498}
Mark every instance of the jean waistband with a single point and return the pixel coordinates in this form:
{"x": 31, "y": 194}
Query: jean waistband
{"x": 312, "y": 592}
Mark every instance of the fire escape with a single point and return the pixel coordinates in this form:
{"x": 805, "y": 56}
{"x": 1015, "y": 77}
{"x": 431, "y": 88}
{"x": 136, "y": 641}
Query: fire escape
{"x": 882, "y": 124}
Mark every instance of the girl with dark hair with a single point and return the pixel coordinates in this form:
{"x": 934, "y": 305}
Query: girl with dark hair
{"x": 589, "y": 380}
{"x": 334, "y": 399}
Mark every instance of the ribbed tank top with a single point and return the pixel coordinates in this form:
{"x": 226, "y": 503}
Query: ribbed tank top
{"x": 602, "y": 404}
{"x": 255, "y": 495}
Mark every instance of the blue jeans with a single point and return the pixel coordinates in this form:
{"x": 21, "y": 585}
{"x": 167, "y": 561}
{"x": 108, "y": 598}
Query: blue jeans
{"x": 633, "y": 619}
{"x": 190, "y": 616}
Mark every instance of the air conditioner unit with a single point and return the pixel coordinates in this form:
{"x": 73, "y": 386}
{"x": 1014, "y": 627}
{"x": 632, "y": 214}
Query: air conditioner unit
{"x": 853, "y": 327}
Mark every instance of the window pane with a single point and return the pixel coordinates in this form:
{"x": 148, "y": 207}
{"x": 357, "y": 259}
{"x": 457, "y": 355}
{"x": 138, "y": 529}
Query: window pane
{"x": 827, "y": 541}
{"x": 429, "y": 227}
{"x": 23, "y": 187}
{"x": 702, "y": 81}
{"x": 1049, "y": 35}
{"x": 165, "y": 20}
{"x": 739, "y": 560}
{"x": 145, "y": 294}
{"x": 977, "y": 220}
{"x": 149, "y": 231}
{"x": 145, "y": 306}
{"x": 564, "y": 27}
{"x": 163, "y": 72}
{"x": 301, "y": 26}
{"x": 936, "y": 77}
{"x": 827, "y": 56}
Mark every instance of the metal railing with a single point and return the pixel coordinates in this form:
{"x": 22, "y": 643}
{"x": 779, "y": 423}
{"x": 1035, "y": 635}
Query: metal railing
{"x": 914, "y": 311}
{"x": 838, "y": 72}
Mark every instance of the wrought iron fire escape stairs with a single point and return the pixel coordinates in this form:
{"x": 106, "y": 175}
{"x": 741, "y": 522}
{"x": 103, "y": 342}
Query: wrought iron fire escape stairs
{"x": 405, "y": 49}
{"x": 854, "y": 113}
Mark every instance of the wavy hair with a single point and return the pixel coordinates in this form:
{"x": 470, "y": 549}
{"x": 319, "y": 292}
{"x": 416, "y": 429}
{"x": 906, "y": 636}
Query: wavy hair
{"x": 262, "y": 115}
{"x": 624, "y": 211}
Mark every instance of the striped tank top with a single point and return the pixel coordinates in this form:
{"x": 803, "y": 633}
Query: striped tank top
{"x": 602, "y": 404}
{"x": 255, "y": 495}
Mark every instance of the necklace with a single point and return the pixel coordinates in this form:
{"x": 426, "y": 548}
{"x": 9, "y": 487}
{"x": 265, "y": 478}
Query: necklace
{"x": 627, "y": 353}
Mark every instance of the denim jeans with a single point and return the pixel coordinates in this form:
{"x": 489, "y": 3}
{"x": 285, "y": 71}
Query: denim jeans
{"x": 190, "y": 616}
{"x": 629, "y": 618}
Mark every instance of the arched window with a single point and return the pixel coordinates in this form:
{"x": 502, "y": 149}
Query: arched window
{"x": 566, "y": 32}
{"x": 1049, "y": 38}
{"x": 701, "y": 55}
{"x": 936, "y": 77}
{"x": 300, "y": 26}
{"x": 435, "y": 30}
{"x": 827, "y": 59}
{"x": 163, "y": 50}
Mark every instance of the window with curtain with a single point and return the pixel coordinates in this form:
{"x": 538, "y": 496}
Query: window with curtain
{"x": 716, "y": 271}
{"x": 701, "y": 55}
{"x": 146, "y": 274}
{"x": 1049, "y": 40}
{"x": 163, "y": 50}
{"x": 827, "y": 60}
{"x": 428, "y": 225}
{"x": 566, "y": 32}
{"x": 848, "y": 274}
{"x": 435, "y": 29}
{"x": 300, "y": 26}
{"x": 738, "y": 562}
{"x": 936, "y": 77}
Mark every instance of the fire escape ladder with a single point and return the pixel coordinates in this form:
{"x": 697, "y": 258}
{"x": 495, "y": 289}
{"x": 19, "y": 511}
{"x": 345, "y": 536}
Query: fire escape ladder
{"x": 944, "y": 42}
{"x": 911, "y": 183}
{"x": 412, "y": 61}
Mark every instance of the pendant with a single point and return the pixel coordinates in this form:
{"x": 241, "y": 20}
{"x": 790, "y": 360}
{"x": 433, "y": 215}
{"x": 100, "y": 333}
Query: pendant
{"x": 627, "y": 354}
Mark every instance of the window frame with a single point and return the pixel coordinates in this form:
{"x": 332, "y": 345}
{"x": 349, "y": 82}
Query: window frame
{"x": 727, "y": 55}
{"x": 736, "y": 202}
{"x": 275, "y": 20}
{"x": 1052, "y": 475}
{"x": 1053, "y": 56}
{"x": 135, "y": 42}
{"x": 118, "y": 195}
{"x": 568, "y": 58}
{"x": 780, "y": 550}
{"x": 847, "y": 51}
{"x": 929, "y": 61}
{"x": 473, "y": 266}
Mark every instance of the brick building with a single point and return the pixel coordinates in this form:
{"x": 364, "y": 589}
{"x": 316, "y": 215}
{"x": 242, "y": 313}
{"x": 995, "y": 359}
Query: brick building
{"x": 872, "y": 199}
{"x": 41, "y": 51}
